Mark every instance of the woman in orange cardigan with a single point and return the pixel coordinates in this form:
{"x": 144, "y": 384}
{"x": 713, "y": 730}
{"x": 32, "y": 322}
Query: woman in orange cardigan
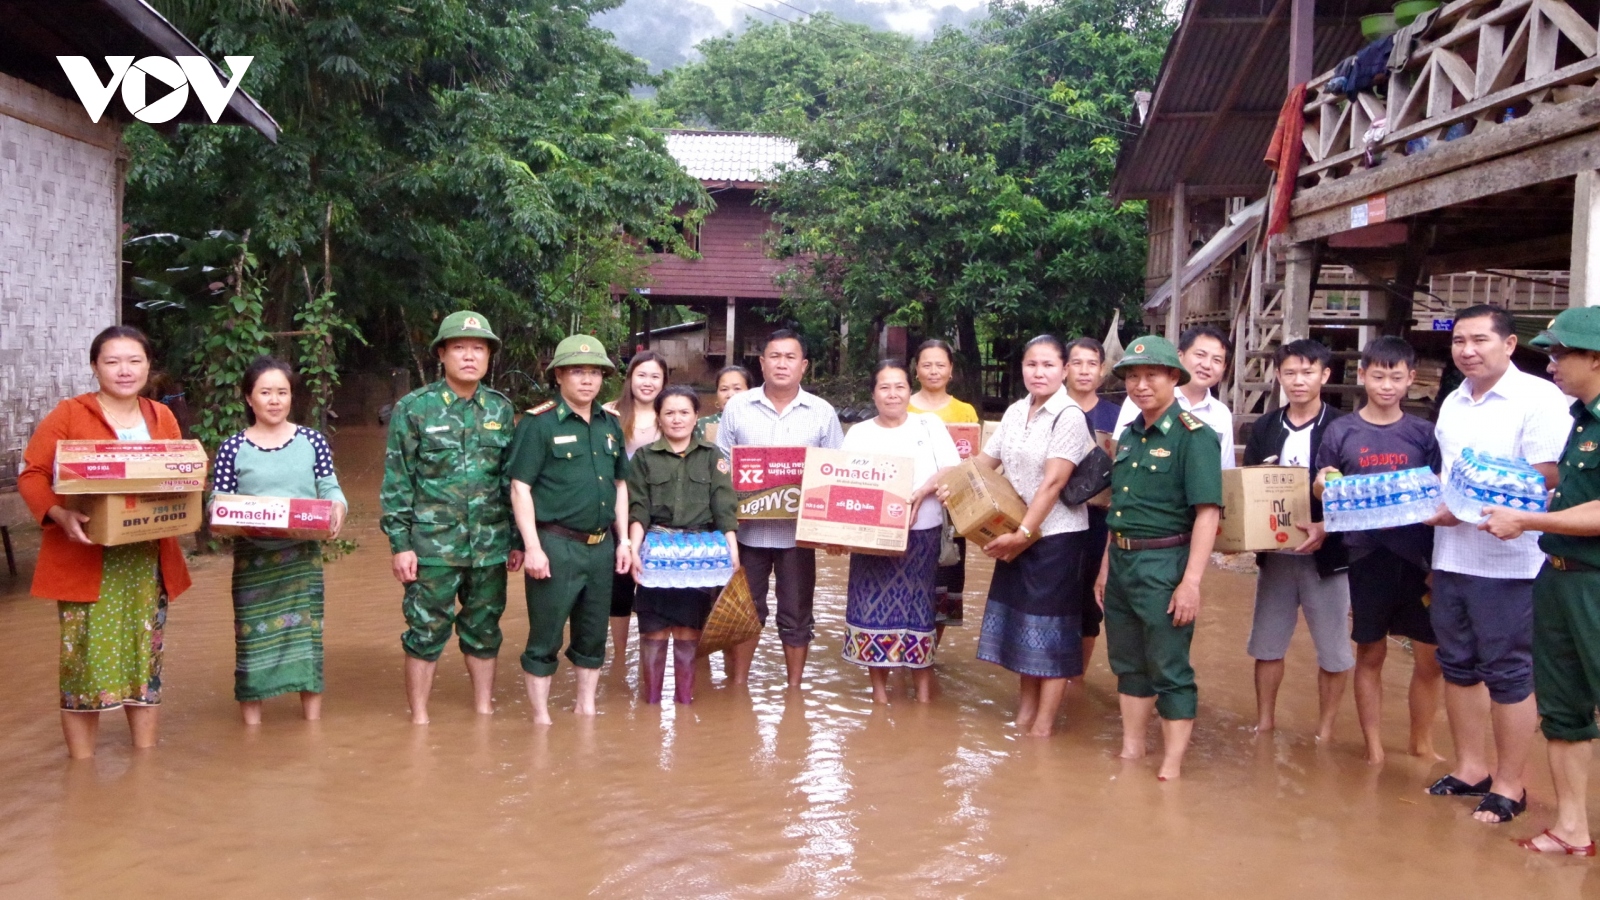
{"x": 112, "y": 600}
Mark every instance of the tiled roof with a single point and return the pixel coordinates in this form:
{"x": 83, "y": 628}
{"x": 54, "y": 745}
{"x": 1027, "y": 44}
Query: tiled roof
{"x": 729, "y": 155}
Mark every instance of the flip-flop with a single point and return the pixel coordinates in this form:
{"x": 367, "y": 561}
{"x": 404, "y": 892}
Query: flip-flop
{"x": 1504, "y": 808}
{"x": 1451, "y": 786}
{"x": 1565, "y": 848}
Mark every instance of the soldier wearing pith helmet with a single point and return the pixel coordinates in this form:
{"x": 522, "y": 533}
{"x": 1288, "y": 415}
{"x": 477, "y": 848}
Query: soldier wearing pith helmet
{"x": 569, "y": 491}
{"x": 1166, "y": 496}
{"x": 1566, "y": 626}
{"x": 447, "y": 513}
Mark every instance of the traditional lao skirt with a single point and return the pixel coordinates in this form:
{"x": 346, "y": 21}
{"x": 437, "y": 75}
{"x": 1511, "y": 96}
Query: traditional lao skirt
{"x": 111, "y": 649}
{"x": 1033, "y": 622}
{"x": 889, "y": 613}
{"x": 277, "y": 619}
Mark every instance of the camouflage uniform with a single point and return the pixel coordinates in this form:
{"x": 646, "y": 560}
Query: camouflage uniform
{"x": 446, "y": 497}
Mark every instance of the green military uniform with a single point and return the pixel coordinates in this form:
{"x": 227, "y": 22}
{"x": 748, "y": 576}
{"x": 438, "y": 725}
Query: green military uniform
{"x": 1160, "y": 473}
{"x": 445, "y": 497}
{"x": 1566, "y": 614}
{"x": 573, "y": 467}
{"x": 693, "y": 491}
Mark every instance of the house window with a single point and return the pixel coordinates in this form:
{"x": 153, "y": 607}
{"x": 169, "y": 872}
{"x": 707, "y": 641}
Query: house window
{"x": 691, "y": 236}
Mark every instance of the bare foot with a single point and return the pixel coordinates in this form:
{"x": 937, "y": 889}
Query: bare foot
{"x": 419, "y": 718}
{"x": 582, "y": 708}
{"x": 1043, "y": 731}
{"x": 1134, "y": 749}
{"x": 1425, "y": 751}
{"x": 1267, "y": 726}
{"x": 542, "y": 717}
{"x": 1325, "y": 736}
{"x": 1374, "y": 754}
{"x": 1170, "y": 769}
{"x": 485, "y": 710}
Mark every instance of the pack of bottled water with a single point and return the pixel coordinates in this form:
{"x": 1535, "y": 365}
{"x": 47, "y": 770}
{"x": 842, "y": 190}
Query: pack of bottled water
{"x": 1380, "y": 500}
{"x": 684, "y": 559}
{"x": 1480, "y": 479}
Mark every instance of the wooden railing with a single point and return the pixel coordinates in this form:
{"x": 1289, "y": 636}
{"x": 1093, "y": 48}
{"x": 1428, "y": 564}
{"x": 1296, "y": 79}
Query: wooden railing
{"x": 1489, "y": 61}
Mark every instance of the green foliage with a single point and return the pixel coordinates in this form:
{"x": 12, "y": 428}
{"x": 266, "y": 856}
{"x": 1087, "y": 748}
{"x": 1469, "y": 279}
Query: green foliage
{"x": 319, "y": 321}
{"x": 231, "y": 337}
{"x": 434, "y": 155}
{"x": 959, "y": 186}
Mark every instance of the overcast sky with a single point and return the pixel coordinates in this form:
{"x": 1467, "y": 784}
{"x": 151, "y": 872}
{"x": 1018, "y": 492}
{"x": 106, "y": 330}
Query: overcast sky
{"x": 664, "y": 32}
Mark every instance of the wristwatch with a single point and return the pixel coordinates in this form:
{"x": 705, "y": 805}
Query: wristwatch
{"x": 1025, "y": 531}
{"x": 624, "y": 543}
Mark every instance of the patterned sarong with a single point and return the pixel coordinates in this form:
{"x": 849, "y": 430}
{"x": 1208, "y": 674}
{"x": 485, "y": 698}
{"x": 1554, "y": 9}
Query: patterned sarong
{"x": 889, "y": 614}
{"x": 111, "y": 649}
{"x": 277, "y": 619}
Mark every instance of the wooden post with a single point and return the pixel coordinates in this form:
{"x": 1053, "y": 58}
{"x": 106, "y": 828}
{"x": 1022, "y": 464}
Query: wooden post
{"x": 1300, "y": 273}
{"x": 1302, "y": 23}
{"x": 1584, "y": 288}
{"x": 1180, "y": 256}
{"x": 732, "y": 357}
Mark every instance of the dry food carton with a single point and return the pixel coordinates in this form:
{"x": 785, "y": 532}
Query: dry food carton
{"x": 129, "y": 467}
{"x": 292, "y": 518}
{"x": 130, "y": 518}
{"x": 861, "y": 501}
{"x": 968, "y": 437}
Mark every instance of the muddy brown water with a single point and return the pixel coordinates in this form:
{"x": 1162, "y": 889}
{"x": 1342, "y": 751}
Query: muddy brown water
{"x": 748, "y": 793}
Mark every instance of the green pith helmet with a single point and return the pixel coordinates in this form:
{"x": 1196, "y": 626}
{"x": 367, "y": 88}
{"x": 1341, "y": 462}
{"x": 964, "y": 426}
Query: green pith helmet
{"x": 1578, "y": 328}
{"x": 581, "y": 350}
{"x": 464, "y": 324}
{"x": 1152, "y": 350}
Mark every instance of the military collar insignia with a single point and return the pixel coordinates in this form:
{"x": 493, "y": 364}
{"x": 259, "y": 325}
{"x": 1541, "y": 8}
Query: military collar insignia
{"x": 1164, "y": 424}
{"x": 1160, "y": 453}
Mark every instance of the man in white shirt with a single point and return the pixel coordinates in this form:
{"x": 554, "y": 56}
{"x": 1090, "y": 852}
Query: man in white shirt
{"x": 1204, "y": 351}
{"x": 778, "y": 414}
{"x": 1482, "y": 596}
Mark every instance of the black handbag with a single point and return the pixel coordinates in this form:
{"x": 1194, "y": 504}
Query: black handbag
{"x": 1092, "y": 475}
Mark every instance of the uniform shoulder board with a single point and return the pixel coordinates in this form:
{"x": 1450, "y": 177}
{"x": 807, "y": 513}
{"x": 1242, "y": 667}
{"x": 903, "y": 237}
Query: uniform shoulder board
{"x": 1190, "y": 420}
{"x": 542, "y": 408}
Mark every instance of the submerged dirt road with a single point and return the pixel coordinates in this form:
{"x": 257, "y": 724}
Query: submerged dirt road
{"x": 748, "y": 793}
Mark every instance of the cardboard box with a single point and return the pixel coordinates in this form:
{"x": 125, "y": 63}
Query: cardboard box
{"x": 968, "y": 437}
{"x": 857, "y": 500}
{"x": 989, "y": 428}
{"x": 1258, "y": 505}
{"x": 711, "y": 432}
{"x": 292, "y": 518}
{"x": 129, "y": 467}
{"x": 766, "y": 481}
{"x": 130, "y": 518}
{"x": 983, "y": 505}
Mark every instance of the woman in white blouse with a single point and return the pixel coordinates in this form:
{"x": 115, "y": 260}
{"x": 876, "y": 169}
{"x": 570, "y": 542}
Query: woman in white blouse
{"x": 889, "y": 615}
{"x": 1032, "y": 621}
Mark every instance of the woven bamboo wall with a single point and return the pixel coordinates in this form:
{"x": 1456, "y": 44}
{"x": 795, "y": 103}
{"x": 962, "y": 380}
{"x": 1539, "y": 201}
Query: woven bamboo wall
{"x": 59, "y": 255}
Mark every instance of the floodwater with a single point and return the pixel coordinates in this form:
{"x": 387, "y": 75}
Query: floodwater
{"x": 748, "y": 793}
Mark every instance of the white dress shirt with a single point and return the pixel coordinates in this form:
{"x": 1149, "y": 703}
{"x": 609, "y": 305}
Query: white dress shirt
{"x": 1022, "y": 444}
{"x": 751, "y": 420}
{"x": 1522, "y": 416}
{"x": 1211, "y": 411}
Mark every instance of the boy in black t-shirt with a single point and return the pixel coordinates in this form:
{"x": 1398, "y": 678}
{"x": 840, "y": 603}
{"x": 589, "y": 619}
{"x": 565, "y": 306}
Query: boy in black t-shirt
{"x": 1388, "y": 568}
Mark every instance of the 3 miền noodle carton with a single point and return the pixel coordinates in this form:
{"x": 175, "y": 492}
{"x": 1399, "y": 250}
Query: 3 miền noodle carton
{"x": 766, "y": 481}
{"x": 861, "y": 501}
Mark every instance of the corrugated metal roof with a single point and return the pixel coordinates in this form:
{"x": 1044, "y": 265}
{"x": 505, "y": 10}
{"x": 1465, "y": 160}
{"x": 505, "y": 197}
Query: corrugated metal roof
{"x": 1210, "y": 58}
{"x": 736, "y": 156}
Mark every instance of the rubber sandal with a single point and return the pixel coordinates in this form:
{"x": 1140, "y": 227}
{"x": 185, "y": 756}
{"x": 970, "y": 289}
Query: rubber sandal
{"x": 1451, "y": 786}
{"x": 1566, "y": 849}
{"x": 1504, "y": 808}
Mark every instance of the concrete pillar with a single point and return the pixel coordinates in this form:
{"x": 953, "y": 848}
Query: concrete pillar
{"x": 1180, "y": 257}
{"x": 1584, "y": 289}
{"x": 733, "y": 358}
